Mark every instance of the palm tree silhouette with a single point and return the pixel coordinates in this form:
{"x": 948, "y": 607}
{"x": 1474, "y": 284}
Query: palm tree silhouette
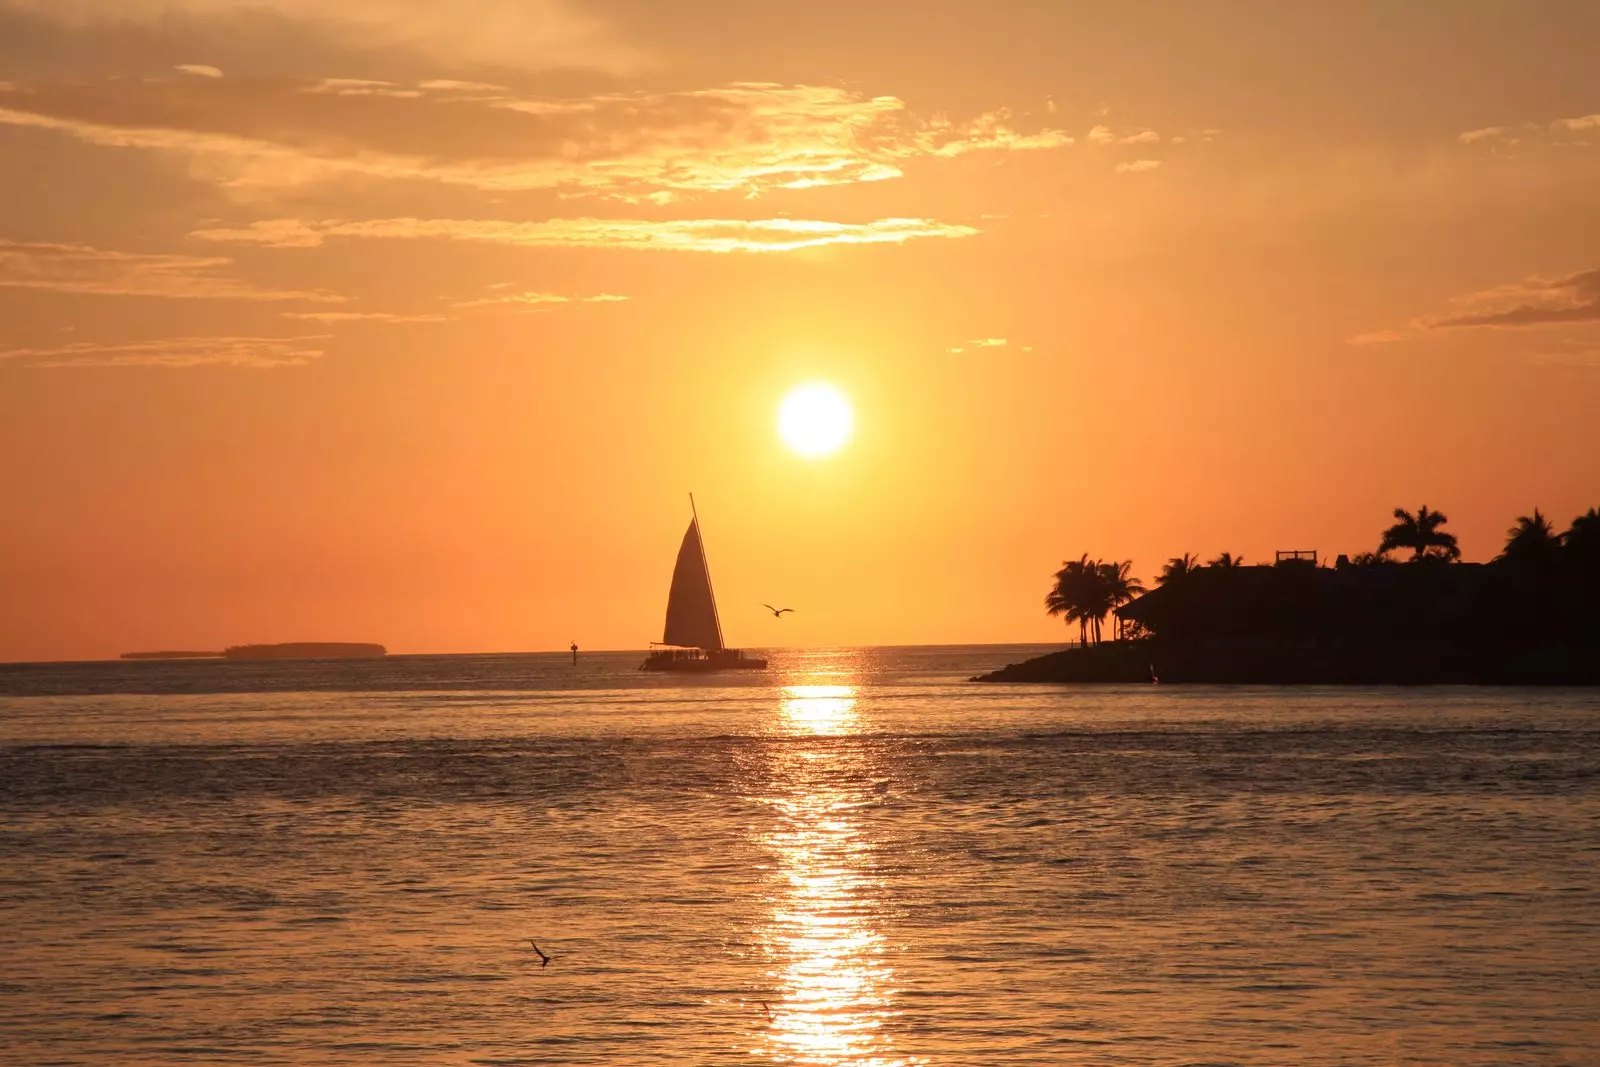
{"x": 1532, "y": 540}
{"x": 1086, "y": 591}
{"x": 1178, "y": 568}
{"x": 1227, "y": 561}
{"x": 1582, "y": 539}
{"x": 1115, "y": 588}
{"x": 1070, "y": 595}
{"x": 1421, "y": 534}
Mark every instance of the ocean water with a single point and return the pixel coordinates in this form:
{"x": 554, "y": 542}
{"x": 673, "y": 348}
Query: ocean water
{"x": 857, "y": 858}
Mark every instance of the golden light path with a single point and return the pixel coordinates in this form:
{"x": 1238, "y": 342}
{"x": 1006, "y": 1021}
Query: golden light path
{"x": 833, "y": 985}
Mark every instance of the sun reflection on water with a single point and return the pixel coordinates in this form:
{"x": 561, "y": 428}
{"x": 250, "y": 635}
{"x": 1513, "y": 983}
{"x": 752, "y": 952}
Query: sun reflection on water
{"x": 819, "y": 709}
{"x": 832, "y": 985}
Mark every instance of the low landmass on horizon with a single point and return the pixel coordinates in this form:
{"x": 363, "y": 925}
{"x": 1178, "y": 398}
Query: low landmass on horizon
{"x": 290, "y": 650}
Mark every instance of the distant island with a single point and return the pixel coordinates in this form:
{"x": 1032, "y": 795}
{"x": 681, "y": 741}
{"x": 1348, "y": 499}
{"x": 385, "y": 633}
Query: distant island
{"x": 1528, "y": 617}
{"x": 292, "y": 650}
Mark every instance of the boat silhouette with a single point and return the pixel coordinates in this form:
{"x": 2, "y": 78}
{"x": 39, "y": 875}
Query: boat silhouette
{"x": 692, "y": 639}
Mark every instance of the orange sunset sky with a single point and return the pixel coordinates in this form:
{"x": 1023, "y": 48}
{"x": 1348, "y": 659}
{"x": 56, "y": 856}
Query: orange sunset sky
{"x": 417, "y": 323}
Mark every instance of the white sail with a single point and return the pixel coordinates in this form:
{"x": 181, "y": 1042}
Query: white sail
{"x": 691, "y": 609}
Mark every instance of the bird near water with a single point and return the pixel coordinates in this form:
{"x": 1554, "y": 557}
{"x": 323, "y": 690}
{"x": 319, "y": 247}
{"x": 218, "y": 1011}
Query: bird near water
{"x": 544, "y": 961}
{"x": 777, "y": 613}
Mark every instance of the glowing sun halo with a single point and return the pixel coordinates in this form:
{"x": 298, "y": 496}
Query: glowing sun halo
{"x": 815, "y": 420}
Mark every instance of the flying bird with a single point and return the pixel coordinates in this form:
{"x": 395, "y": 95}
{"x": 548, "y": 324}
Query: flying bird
{"x": 770, "y": 1016}
{"x": 777, "y": 613}
{"x": 544, "y": 961}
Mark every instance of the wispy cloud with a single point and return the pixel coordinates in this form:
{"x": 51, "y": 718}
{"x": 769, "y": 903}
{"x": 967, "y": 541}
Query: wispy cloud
{"x": 524, "y": 34}
{"x": 200, "y": 70}
{"x": 68, "y": 268}
{"x": 1582, "y": 122}
{"x": 258, "y": 352}
{"x": 746, "y": 137}
{"x": 331, "y": 317}
{"x": 536, "y": 299}
{"x": 1105, "y": 135}
{"x": 987, "y": 342}
{"x": 685, "y": 235}
{"x": 1560, "y": 301}
{"x": 1575, "y": 132}
{"x": 1378, "y": 337}
{"x": 1137, "y": 166}
{"x": 1566, "y": 300}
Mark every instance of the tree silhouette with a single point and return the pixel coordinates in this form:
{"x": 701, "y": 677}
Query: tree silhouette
{"x": 1227, "y": 561}
{"x": 1532, "y": 541}
{"x": 1582, "y": 539}
{"x": 1071, "y": 594}
{"x": 1421, "y": 534}
{"x": 1086, "y": 591}
{"x": 1115, "y": 588}
{"x": 1178, "y": 568}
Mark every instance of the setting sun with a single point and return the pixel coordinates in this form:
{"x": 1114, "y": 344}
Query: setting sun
{"x": 815, "y": 420}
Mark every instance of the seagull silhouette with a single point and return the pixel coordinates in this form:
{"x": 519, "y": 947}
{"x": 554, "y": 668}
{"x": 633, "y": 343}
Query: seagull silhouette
{"x": 770, "y": 1016}
{"x": 777, "y": 613}
{"x": 544, "y": 961}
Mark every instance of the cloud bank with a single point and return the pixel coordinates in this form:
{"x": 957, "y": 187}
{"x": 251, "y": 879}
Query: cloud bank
{"x": 257, "y": 352}
{"x": 519, "y": 34}
{"x": 67, "y": 268}
{"x": 633, "y": 146}
{"x": 682, "y": 235}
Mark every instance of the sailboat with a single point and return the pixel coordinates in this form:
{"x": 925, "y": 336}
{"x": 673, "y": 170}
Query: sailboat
{"x": 692, "y": 640}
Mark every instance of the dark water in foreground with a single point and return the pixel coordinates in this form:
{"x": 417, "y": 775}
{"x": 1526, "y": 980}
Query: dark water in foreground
{"x": 251, "y": 864}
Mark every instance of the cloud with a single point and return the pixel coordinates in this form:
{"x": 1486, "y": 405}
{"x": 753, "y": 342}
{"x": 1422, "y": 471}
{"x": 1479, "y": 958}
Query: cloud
{"x": 68, "y": 268}
{"x": 1138, "y": 166}
{"x": 1535, "y": 134}
{"x": 1378, "y": 337}
{"x": 1574, "y": 298}
{"x": 1568, "y": 300}
{"x": 260, "y": 352}
{"x": 685, "y": 235}
{"x": 200, "y": 70}
{"x": 982, "y": 343}
{"x": 1104, "y": 135}
{"x": 522, "y": 34}
{"x": 359, "y": 316}
{"x": 1582, "y": 122}
{"x": 747, "y": 137}
{"x": 540, "y": 298}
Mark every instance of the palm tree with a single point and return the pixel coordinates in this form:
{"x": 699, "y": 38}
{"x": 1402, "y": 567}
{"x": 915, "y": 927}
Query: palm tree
{"x": 1421, "y": 534}
{"x": 1178, "y": 568}
{"x": 1070, "y": 596}
{"x": 1582, "y": 538}
{"x": 1227, "y": 561}
{"x": 1115, "y": 588}
{"x": 1532, "y": 542}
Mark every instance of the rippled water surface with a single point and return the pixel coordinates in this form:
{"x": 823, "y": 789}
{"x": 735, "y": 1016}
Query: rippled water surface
{"x": 856, "y": 858}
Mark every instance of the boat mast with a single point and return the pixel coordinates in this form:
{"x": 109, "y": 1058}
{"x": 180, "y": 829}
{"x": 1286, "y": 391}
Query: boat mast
{"x": 706, "y": 566}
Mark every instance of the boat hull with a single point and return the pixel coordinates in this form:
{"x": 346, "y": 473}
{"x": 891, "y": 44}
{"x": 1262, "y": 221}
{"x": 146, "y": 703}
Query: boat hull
{"x": 693, "y": 661}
